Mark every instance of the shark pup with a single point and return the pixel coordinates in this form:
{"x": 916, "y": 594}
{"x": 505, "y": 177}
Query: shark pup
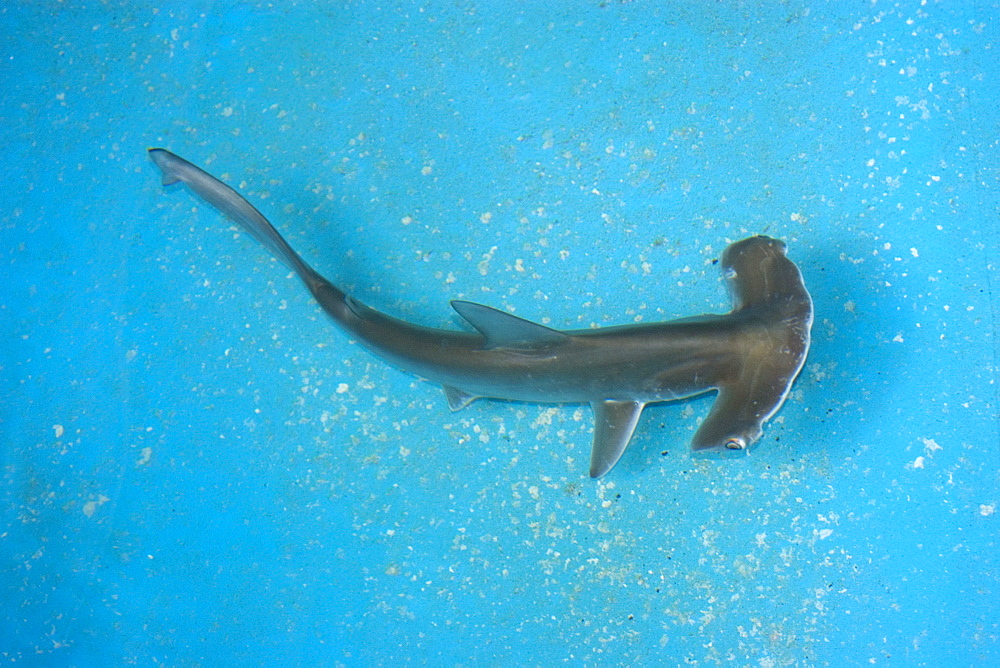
{"x": 750, "y": 355}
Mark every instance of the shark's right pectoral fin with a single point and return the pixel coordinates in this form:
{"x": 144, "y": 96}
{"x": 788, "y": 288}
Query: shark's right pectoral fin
{"x": 614, "y": 422}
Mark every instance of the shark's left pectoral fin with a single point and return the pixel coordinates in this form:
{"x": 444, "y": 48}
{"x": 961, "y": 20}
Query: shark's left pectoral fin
{"x": 614, "y": 422}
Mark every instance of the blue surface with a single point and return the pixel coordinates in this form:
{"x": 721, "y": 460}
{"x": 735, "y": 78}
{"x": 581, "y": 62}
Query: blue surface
{"x": 198, "y": 469}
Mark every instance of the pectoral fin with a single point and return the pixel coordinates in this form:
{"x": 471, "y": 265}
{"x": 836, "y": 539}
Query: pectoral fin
{"x": 614, "y": 422}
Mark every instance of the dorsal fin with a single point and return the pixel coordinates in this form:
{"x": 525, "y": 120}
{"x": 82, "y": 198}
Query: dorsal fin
{"x": 503, "y": 330}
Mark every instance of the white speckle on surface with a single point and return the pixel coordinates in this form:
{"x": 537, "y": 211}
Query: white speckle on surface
{"x": 918, "y": 463}
{"x": 58, "y": 429}
{"x": 145, "y": 455}
{"x": 484, "y": 264}
{"x": 914, "y": 253}
{"x": 987, "y": 509}
{"x": 342, "y": 388}
{"x": 898, "y": 338}
{"x": 91, "y": 507}
{"x": 545, "y": 417}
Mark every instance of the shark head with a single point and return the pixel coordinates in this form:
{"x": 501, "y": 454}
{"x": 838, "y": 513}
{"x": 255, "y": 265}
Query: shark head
{"x": 776, "y": 312}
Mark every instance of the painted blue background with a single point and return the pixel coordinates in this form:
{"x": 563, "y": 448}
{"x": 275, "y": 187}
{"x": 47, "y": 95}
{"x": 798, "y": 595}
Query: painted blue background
{"x": 197, "y": 468}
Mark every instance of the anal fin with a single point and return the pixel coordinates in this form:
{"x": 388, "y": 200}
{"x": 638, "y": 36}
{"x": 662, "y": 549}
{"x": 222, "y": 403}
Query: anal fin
{"x": 614, "y": 422}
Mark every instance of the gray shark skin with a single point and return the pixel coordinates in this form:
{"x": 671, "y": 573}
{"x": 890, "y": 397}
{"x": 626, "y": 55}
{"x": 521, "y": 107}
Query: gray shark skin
{"x": 751, "y": 355}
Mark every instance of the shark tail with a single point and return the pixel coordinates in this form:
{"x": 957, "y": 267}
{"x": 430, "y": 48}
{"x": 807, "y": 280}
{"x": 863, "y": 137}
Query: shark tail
{"x": 227, "y": 201}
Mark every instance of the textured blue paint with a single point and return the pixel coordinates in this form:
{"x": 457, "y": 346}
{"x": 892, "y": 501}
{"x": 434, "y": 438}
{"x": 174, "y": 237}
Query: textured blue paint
{"x": 196, "y": 468}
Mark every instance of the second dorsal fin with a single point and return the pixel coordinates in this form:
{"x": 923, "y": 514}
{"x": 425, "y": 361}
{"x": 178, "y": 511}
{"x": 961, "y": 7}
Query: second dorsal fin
{"x": 503, "y": 330}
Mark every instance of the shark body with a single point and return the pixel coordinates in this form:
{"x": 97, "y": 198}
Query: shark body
{"x": 751, "y": 355}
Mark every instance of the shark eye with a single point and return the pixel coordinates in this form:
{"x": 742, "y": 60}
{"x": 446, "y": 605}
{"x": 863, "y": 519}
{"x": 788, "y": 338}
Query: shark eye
{"x": 735, "y": 444}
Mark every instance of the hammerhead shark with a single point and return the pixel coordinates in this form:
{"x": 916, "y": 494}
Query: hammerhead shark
{"x": 751, "y": 355}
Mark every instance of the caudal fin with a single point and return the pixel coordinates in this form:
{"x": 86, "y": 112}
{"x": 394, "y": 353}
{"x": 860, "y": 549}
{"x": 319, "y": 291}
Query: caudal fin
{"x": 165, "y": 160}
{"x": 176, "y": 169}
